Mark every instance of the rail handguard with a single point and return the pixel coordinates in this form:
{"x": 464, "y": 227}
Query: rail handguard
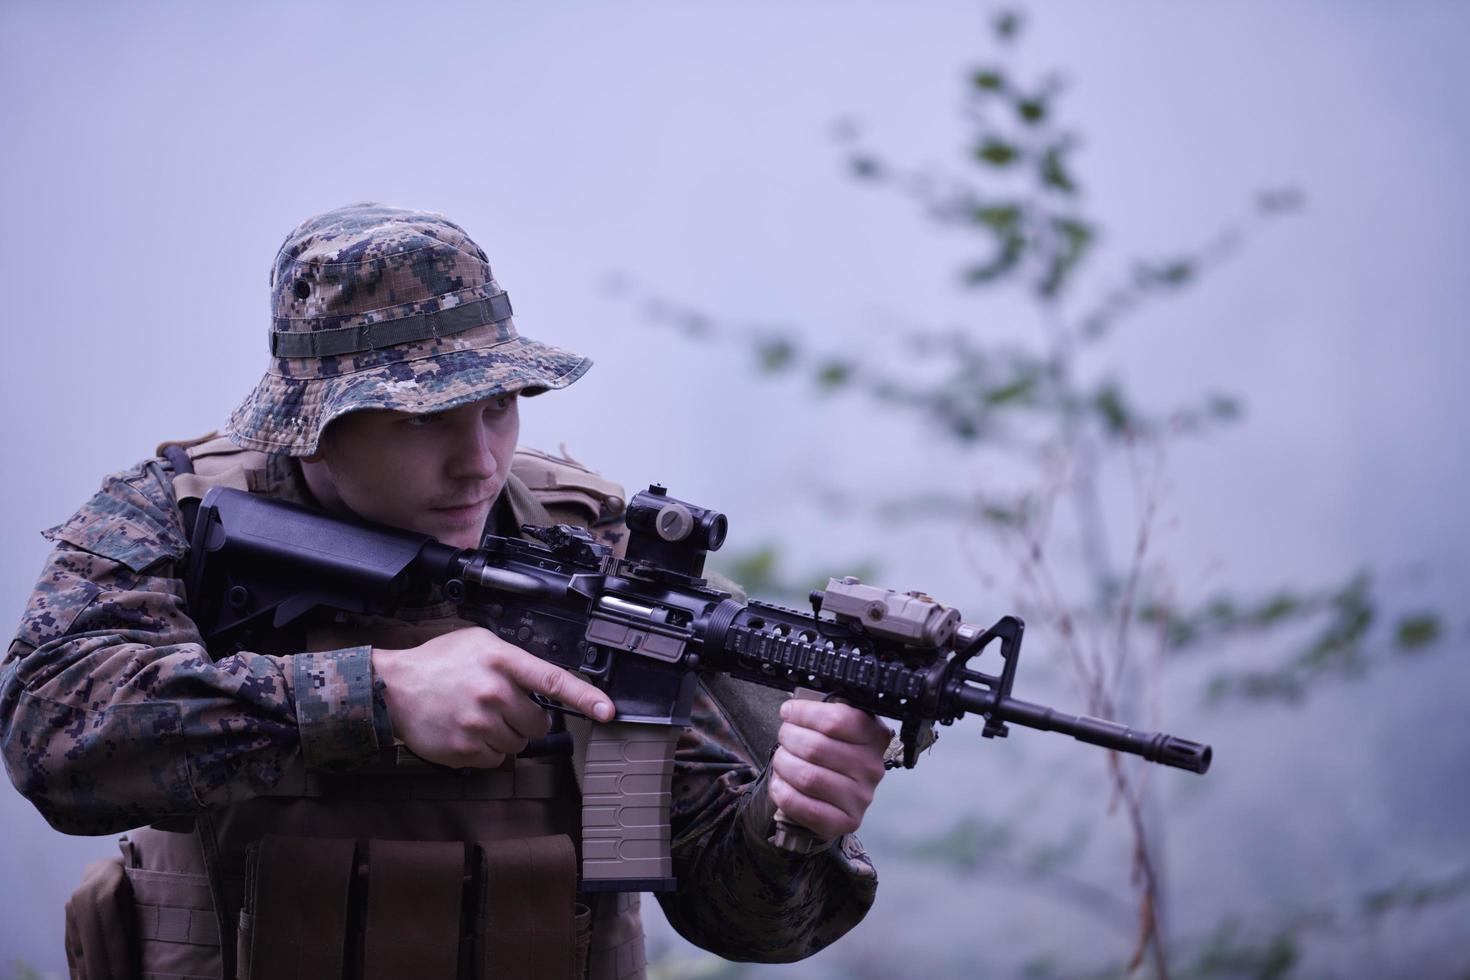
{"x": 641, "y": 627}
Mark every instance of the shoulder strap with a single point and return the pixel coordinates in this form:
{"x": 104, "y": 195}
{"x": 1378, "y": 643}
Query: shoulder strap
{"x": 210, "y": 461}
{"x": 182, "y": 465}
{"x": 571, "y": 492}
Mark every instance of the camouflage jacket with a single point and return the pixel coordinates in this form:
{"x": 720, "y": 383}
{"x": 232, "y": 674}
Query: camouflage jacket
{"x": 114, "y": 715}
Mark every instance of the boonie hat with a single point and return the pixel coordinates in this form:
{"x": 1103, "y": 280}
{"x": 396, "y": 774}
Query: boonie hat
{"x": 379, "y": 307}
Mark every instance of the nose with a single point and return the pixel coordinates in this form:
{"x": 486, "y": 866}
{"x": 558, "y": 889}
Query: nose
{"x": 470, "y": 456}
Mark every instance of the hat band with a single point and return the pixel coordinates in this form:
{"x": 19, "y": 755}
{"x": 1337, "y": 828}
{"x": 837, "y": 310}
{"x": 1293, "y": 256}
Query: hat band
{"x": 390, "y": 333}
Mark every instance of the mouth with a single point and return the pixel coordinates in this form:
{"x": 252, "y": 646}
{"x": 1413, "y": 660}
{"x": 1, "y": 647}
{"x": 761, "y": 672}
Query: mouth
{"x": 462, "y": 511}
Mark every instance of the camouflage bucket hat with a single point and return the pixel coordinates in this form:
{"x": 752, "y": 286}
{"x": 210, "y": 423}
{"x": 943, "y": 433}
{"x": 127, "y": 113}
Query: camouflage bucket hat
{"x": 378, "y": 307}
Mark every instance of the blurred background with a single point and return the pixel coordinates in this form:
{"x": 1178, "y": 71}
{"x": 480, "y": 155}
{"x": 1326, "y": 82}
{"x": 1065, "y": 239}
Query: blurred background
{"x": 1142, "y": 320}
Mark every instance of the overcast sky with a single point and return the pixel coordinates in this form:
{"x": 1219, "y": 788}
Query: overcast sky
{"x": 155, "y": 154}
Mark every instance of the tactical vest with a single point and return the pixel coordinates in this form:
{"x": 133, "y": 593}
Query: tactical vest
{"x": 402, "y": 869}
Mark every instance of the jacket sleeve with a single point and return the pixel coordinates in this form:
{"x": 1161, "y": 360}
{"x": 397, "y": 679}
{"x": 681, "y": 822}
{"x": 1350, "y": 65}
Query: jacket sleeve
{"x": 739, "y": 896}
{"x": 112, "y": 712}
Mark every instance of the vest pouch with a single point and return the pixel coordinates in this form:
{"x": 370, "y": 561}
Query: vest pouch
{"x": 413, "y": 924}
{"x": 100, "y": 936}
{"x": 178, "y": 933}
{"x": 582, "y": 926}
{"x": 294, "y": 920}
{"x": 617, "y": 938}
{"x": 527, "y": 917}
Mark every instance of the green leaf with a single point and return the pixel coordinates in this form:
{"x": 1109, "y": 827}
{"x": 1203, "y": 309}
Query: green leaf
{"x": 1007, "y": 24}
{"x": 1077, "y": 234}
{"x": 1276, "y": 609}
{"x": 1040, "y": 967}
{"x": 754, "y": 569}
{"x": 1053, "y": 171}
{"x": 1176, "y": 273}
{"x": 1279, "y": 958}
{"x": 999, "y": 515}
{"x": 834, "y": 374}
{"x": 1377, "y": 902}
{"x": 1182, "y": 633}
{"x": 1007, "y": 258}
{"x": 1173, "y": 273}
{"x": 1031, "y": 111}
{"x": 996, "y": 152}
{"x": 1417, "y": 631}
{"x": 1015, "y": 391}
{"x": 1222, "y": 610}
{"x": 988, "y": 80}
{"x": 775, "y": 354}
{"x": 1002, "y": 218}
{"x": 965, "y": 428}
{"x": 1076, "y": 238}
{"x": 1109, "y": 405}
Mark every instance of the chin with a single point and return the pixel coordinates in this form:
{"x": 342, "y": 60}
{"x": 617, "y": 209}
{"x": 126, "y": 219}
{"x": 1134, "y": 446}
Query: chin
{"x": 461, "y": 534}
{"x": 460, "y": 539}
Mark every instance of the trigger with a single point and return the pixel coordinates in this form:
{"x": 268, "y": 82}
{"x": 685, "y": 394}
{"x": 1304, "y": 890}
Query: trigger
{"x": 556, "y": 706}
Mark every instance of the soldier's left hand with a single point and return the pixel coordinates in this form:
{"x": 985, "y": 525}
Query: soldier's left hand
{"x": 828, "y": 761}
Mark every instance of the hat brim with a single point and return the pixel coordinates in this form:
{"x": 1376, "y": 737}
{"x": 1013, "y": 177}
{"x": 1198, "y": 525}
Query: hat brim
{"x": 287, "y": 415}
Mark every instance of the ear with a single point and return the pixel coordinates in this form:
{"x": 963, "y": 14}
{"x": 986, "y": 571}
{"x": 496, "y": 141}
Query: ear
{"x": 319, "y": 480}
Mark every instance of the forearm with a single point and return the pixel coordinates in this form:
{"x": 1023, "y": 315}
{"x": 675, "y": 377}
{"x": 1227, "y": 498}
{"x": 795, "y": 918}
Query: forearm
{"x": 113, "y": 714}
{"x": 738, "y": 895}
{"x": 743, "y": 899}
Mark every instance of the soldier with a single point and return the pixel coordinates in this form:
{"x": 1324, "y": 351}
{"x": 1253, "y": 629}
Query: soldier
{"x": 273, "y": 822}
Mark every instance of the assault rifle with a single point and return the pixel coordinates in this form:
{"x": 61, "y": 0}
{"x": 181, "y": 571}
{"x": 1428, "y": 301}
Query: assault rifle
{"x": 642, "y": 627}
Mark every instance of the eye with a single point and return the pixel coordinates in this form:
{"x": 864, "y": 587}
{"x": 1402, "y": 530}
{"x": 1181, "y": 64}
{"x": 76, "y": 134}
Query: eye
{"x": 420, "y": 421}
{"x": 499, "y": 406}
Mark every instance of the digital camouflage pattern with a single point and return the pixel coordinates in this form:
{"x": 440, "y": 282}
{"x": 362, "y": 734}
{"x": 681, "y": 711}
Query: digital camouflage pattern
{"x": 739, "y": 896}
{"x": 362, "y": 275}
{"x": 113, "y": 715}
{"x": 113, "y": 712}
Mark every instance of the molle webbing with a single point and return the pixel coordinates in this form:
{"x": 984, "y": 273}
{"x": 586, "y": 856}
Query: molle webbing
{"x": 524, "y": 779}
{"x": 286, "y": 342}
{"x": 173, "y": 908}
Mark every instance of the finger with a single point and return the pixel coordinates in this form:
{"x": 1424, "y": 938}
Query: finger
{"x": 496, "y": 699}
{"x": 470, "y": 754}
{"x": 820, "y": 817}
{"x": 533, "y": 674}
{"x": 857, "y": 762}
{"x": 503, "y": 736}
{"x": 836, "y": 720}
{"x": 846, "y": 794}
{"x": 484, "y": 725}
{"x": 525, "y": 717}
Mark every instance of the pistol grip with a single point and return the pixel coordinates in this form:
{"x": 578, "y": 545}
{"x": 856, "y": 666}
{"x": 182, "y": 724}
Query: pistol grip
{"x": 795, "y": 838}
{"x": 625, "y": 807}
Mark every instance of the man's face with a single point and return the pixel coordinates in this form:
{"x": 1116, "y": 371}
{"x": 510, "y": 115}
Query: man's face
{"x": 437, "y": 474}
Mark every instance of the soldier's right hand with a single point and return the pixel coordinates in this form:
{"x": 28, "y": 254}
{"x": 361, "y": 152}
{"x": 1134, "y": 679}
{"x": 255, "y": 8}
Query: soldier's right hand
{"x": 463, "y": 699}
